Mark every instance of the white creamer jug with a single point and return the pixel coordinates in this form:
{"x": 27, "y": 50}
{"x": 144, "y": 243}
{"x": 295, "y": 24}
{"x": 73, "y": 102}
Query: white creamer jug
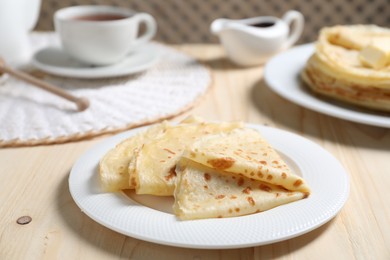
{"x": 253, "y": 41}
{"x": 17, "y": 18}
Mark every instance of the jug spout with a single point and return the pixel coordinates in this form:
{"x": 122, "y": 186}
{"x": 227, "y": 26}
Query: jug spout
{"x": 218, "y": 25}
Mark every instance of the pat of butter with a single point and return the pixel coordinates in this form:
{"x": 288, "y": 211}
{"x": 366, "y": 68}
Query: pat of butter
{"x": 375, "y": 55}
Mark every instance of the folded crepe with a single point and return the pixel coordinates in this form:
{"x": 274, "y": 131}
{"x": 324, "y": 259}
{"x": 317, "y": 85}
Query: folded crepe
{"x": 114, "y": 166}
{"x": 154, "y": 164}
{"x": 336, "y": 69}
{"x": 202, "y": 192}
{"x": 212, "y": 169}
{"x": 243, "y": 151}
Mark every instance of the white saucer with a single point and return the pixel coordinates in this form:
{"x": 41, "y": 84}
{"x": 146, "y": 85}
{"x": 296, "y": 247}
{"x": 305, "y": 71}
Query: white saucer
{"x": 53, "y": 60}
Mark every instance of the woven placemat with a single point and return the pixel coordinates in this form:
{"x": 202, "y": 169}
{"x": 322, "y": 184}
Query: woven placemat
{"x": 31, "y": 116}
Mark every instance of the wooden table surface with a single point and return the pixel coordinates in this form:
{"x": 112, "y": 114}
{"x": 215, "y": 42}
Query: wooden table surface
{"x": 34, "y": 182}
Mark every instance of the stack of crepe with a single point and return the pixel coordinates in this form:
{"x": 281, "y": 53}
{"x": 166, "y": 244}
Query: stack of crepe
{"x": 212, "y": 169}
{"x": 352, "y": 64}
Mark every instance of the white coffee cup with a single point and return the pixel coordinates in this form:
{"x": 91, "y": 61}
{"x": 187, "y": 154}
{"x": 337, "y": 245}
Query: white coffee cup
{"x": 101, "y": 35}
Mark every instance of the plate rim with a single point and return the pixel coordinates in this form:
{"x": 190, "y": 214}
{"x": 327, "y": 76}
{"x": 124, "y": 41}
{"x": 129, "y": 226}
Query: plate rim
{"x": 319, "y": 105}
{"x": 88, "y": 73}
{"x": 112, "y": 141}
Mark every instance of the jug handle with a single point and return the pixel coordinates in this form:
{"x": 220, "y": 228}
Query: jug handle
{"x": 296, "y": 31}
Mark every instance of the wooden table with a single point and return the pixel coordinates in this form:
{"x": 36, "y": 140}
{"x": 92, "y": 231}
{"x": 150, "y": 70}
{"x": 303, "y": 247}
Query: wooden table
{"x": 34, "y": 182}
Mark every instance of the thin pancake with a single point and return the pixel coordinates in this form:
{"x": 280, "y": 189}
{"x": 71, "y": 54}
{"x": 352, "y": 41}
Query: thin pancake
{"x": 202, "y": 192}
{"x": 113, "y": 167}
{"x": 336, "y": 69}
{"x": 133, "y": 160}
{"x": 155, "y": 162}
{"x": 244, "y": 151}
{"x": 319, "y": 77}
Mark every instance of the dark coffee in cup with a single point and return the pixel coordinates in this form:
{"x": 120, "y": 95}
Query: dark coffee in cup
{"x": 264, "y": 24}
{"x": 100, "y": 17}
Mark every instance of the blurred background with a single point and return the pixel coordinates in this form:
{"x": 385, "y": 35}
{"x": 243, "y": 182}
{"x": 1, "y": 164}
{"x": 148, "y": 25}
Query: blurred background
{"x": 181, "y": 21}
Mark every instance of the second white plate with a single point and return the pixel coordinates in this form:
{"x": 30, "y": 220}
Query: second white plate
{"x": 282, "y": 76}
{"x": 149, "y": 218}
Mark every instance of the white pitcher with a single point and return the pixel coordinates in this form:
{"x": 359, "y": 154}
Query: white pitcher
{"x": 253, "y": 41}
{"x": 17, "y": 18}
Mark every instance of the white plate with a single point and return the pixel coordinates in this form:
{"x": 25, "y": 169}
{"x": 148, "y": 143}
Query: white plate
{"x": 282, "y": 75}
{"x": 53, "y": 60}
{"x": 147, "y": 217}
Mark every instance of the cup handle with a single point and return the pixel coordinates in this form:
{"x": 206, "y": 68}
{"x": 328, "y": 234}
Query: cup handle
{"x": 289, "y": 18}
{"x": 151, "y": 27}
